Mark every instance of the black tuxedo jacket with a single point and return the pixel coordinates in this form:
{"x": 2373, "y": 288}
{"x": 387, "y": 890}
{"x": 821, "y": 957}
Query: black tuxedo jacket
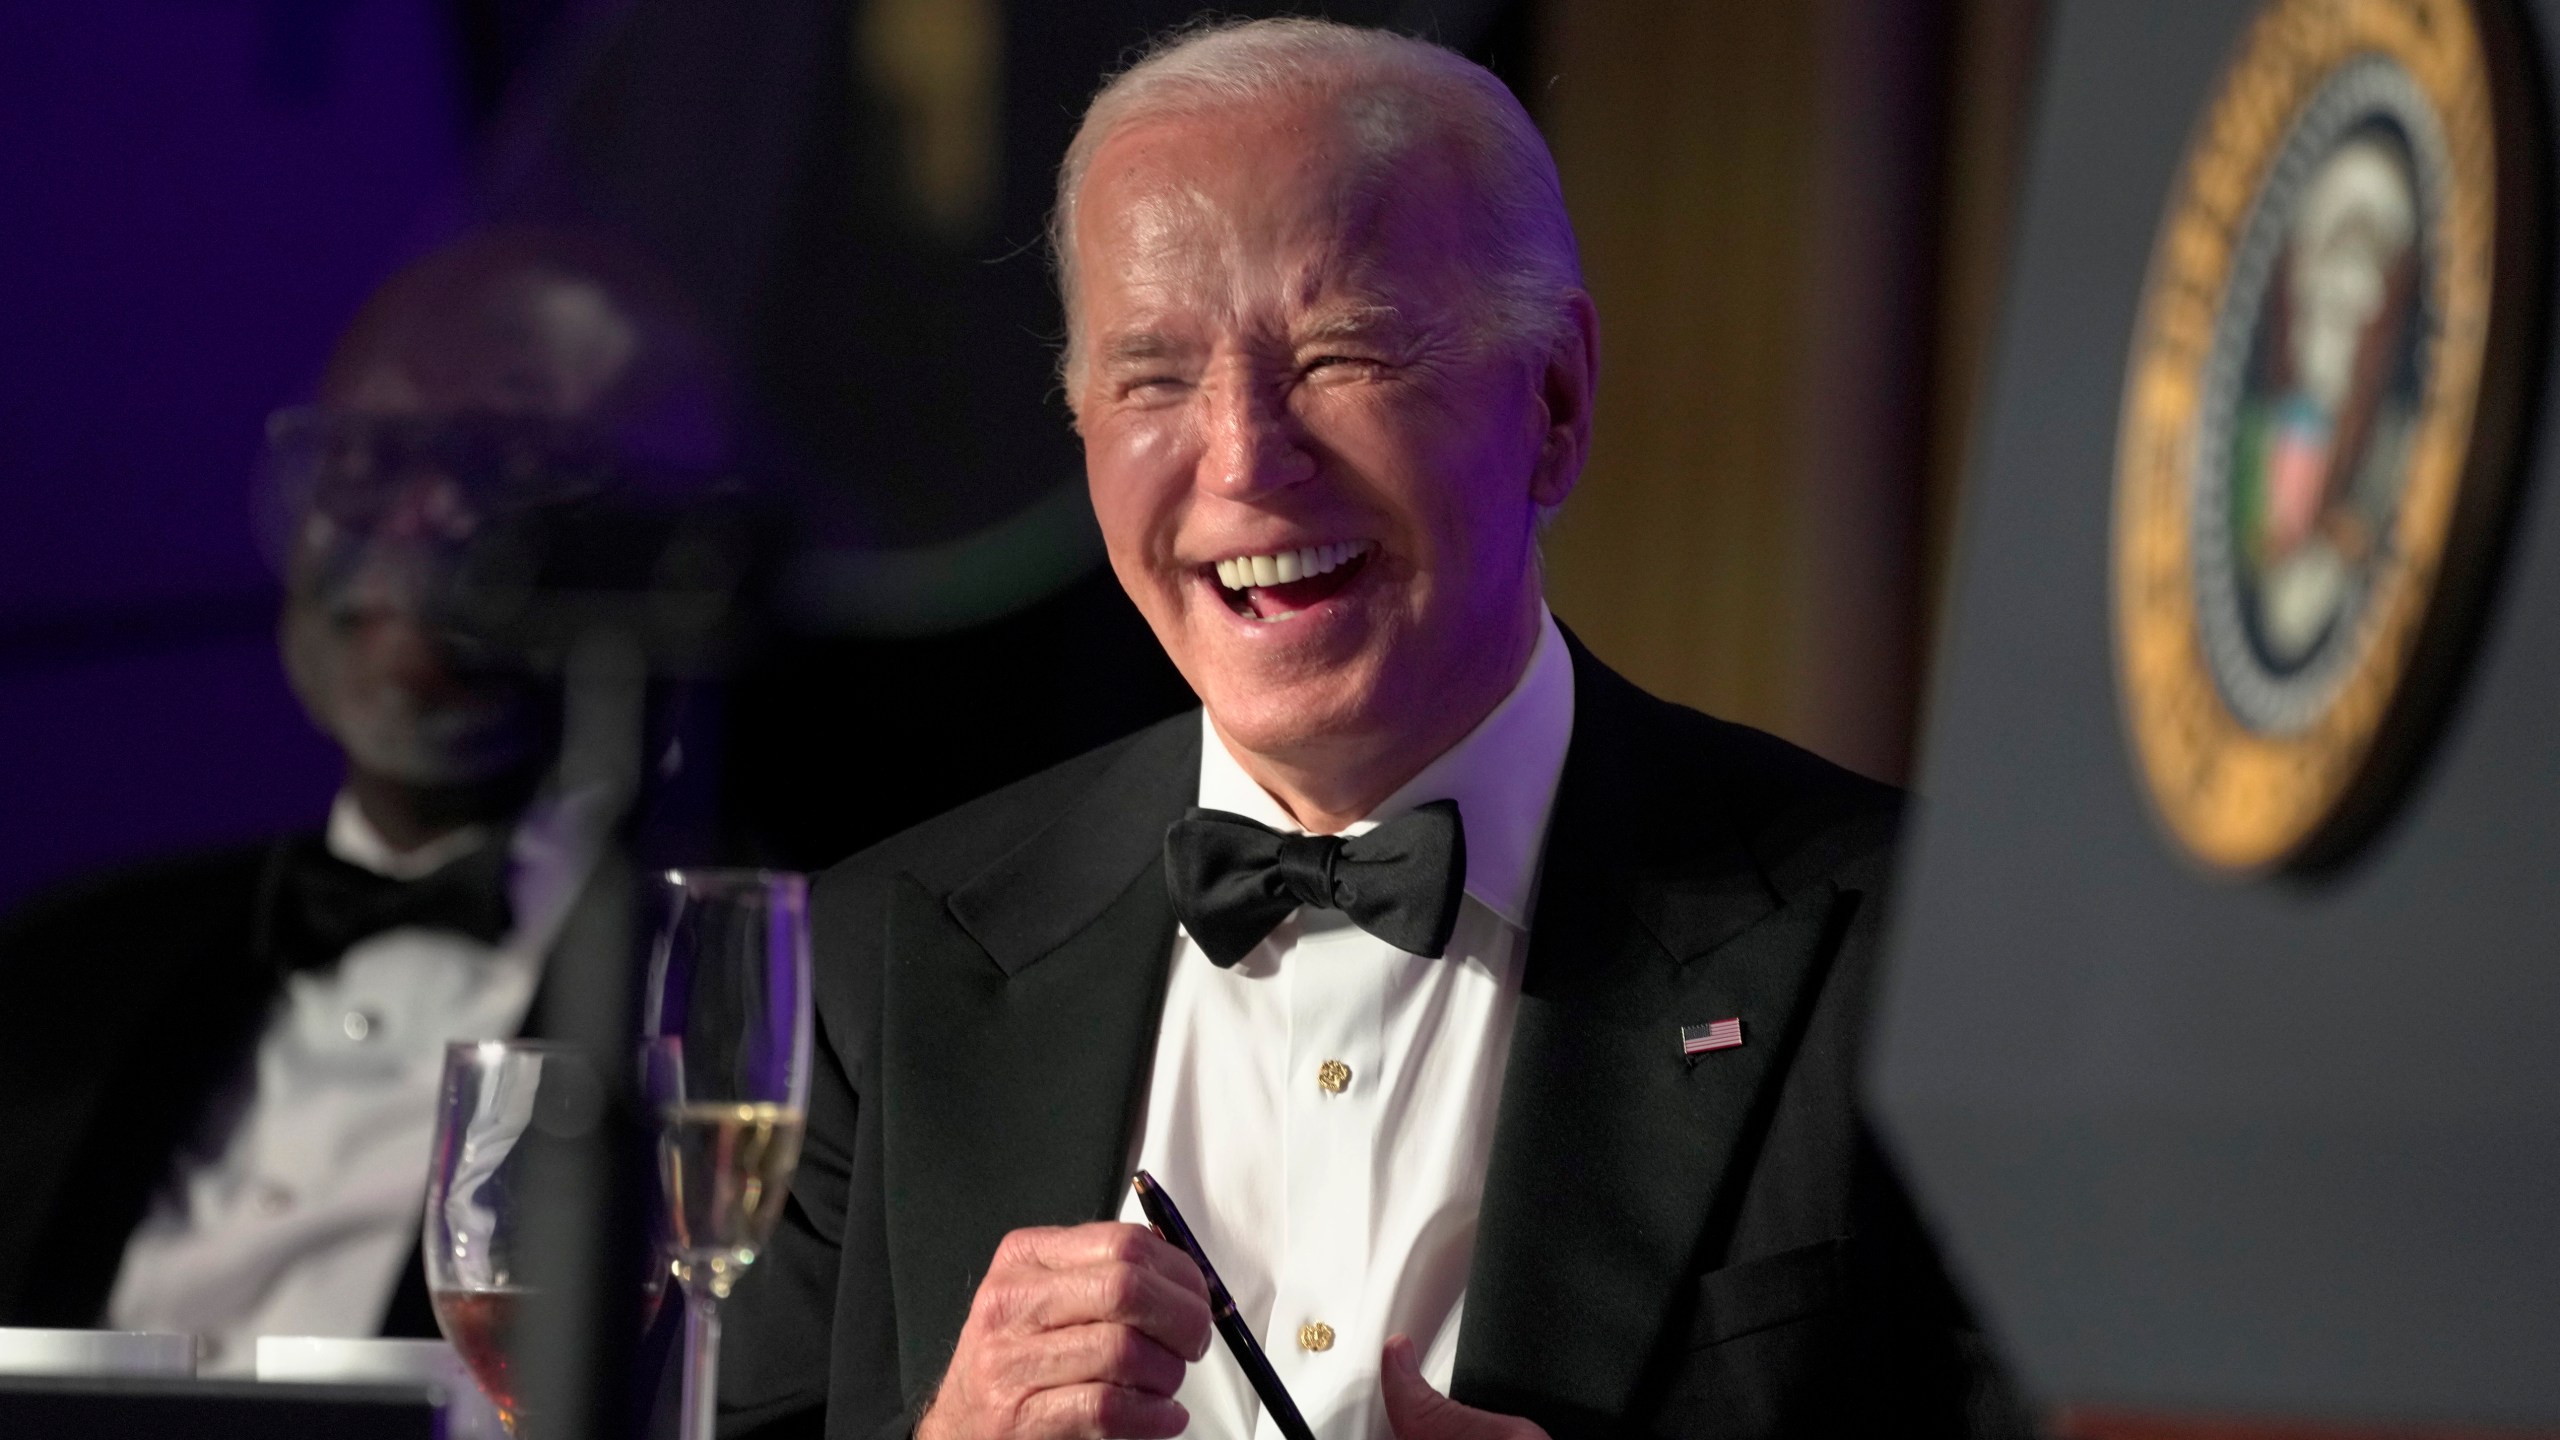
{"x": 1668, "y": 1246}
{"x": 129, "y": 1005}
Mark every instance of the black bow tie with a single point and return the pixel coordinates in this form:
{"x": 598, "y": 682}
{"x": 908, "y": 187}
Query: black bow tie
{"x": 323, "y": 906}
{"x": 1233, "y": 880}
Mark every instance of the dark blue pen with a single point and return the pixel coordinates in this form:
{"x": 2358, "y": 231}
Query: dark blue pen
{"x": 1222, "y": 1310}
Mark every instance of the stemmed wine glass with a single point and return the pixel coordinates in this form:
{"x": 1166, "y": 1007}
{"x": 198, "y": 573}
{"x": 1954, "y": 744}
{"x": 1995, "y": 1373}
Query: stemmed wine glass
{"x": 487, "y": 1131}
{"x": 727, "y": 1013}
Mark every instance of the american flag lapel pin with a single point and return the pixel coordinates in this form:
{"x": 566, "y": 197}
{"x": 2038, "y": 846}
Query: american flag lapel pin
{"x": 1697, "y": 1040}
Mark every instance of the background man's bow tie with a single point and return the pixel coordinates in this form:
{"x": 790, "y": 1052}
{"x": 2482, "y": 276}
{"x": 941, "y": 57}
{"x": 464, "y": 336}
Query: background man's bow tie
{"x": 1232, "y": 879}
{"x": 323, "y": 905}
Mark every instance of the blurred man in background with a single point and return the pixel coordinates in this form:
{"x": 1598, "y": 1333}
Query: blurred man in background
{"x": 218, "y": 1073}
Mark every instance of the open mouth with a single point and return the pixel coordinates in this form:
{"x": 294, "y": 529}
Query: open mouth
{"x": 1278, "y": 585}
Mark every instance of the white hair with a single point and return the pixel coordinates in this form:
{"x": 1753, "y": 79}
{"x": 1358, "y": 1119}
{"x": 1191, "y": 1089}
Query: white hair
{"x": 1395, "y": 93}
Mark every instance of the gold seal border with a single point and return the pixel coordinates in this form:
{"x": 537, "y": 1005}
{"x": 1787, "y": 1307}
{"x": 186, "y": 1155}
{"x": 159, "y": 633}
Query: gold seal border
{"x": 2236, "y": 799}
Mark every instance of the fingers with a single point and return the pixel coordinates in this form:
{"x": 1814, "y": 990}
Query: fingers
{"x": 1074, "y": 1334}
{"x": 1106, "y": 1354}
{"x": 1116, "y": 1274}
{"x": 1107, "y": 1242}
{"x": 1412, "y": 1405}
{"x": 1415, "y": 1411}
{"x": 1120, "y": 1295}
{"x": 1090, "y": 1412}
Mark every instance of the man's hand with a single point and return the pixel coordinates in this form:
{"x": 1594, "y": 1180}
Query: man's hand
{"x": 1419, "y": 1412}
{"x": 1074, "y": 1335}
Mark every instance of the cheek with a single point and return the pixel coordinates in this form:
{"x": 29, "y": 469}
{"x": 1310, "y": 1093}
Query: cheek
{"x": 1453, "y": 458}
{"x": 1139, "y": 471}
{"x": 1479, "y": 505}
{"x": 1472, "y": 486}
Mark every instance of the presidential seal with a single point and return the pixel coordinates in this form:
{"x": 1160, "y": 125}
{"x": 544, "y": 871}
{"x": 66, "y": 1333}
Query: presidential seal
{"x": 2321, "y": 417}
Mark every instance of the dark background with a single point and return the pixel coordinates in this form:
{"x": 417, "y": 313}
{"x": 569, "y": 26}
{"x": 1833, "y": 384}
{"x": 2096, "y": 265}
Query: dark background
{"x": 204, "y": 190}
{"x": 1792, "y": 216}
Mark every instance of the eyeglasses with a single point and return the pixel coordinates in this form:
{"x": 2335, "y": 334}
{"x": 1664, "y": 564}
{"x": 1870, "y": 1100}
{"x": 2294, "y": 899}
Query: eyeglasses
{"x": 356, "y": 468}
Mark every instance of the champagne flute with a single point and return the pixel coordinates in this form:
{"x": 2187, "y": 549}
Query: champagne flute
{"x": 497, "y": 1099}
{"x": 728, "y": 1005}
{"x": 660, "y": 1081}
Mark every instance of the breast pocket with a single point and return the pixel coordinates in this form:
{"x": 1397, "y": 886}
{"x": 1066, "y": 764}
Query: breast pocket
{"x": 1773, "y": 1290}
{"x": 1761, "y": 1359}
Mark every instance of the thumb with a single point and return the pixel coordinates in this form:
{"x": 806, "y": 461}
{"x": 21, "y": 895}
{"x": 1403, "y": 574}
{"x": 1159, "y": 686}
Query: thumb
{"x": 1415, "y": 1411}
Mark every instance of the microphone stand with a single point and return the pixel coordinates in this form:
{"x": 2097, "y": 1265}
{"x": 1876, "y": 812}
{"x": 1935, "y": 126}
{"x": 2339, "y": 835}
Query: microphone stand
{"x": 617, "y": 598}
{"x": 587, "y": 1217}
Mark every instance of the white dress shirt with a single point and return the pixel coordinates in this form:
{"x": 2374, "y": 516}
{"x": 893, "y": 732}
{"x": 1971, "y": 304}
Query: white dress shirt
{"x": 1322, "y": 1112}
{"x": 296, "y": 1210}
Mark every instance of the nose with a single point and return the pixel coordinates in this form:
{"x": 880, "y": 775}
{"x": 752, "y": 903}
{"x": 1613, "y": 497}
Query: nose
{"x": 399, "y": 559}
{"x": 1255, "y": 445}
{"x": 427, "y": 508}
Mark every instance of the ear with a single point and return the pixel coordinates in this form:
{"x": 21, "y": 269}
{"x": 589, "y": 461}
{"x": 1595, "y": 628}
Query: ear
{"x": 1566, "y": 384}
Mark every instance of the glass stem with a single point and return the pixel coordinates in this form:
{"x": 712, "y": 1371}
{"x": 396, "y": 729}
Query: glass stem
{"x": 701, "y": 1363}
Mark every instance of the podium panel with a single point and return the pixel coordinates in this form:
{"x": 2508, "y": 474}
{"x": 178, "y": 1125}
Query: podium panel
{"x": 2212, "y": 1140}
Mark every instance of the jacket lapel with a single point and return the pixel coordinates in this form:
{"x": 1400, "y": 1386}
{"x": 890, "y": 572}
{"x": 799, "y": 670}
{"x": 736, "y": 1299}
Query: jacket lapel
{"x": 1018, "y": 1027}
{"x": 1612, "y": 1152}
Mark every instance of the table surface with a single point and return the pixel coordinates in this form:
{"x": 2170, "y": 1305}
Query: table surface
{"x": 110, "y": 1407}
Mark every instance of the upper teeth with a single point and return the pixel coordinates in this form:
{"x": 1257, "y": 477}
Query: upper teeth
{"x": 1287, "y": 565}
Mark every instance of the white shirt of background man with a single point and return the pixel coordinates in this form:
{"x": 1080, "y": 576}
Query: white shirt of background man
{"x": 297, "y": 1208}
{"x": 1339, "y": 1204}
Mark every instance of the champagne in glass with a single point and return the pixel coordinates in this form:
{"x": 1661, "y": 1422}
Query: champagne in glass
{"x": 728, "y": 1009}
{"x": 486, "y": 1129}
{"x": 727, "y": 1172}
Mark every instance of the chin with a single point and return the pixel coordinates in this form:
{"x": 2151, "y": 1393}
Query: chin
{"x": 1294, "y": 717}
{"x": 438, "y": 750}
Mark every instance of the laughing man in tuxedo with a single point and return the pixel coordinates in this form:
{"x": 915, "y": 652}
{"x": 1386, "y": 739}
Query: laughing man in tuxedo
{"x": 1400, "y": 964}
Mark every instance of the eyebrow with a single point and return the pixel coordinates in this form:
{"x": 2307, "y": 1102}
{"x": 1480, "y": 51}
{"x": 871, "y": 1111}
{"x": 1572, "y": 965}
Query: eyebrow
{"x": 1141, "y": 345}
{"x": 1356, "y": 323}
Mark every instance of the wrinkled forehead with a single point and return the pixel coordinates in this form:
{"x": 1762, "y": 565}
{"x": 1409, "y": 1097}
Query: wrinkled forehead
{"x": 1244, "y": 209}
